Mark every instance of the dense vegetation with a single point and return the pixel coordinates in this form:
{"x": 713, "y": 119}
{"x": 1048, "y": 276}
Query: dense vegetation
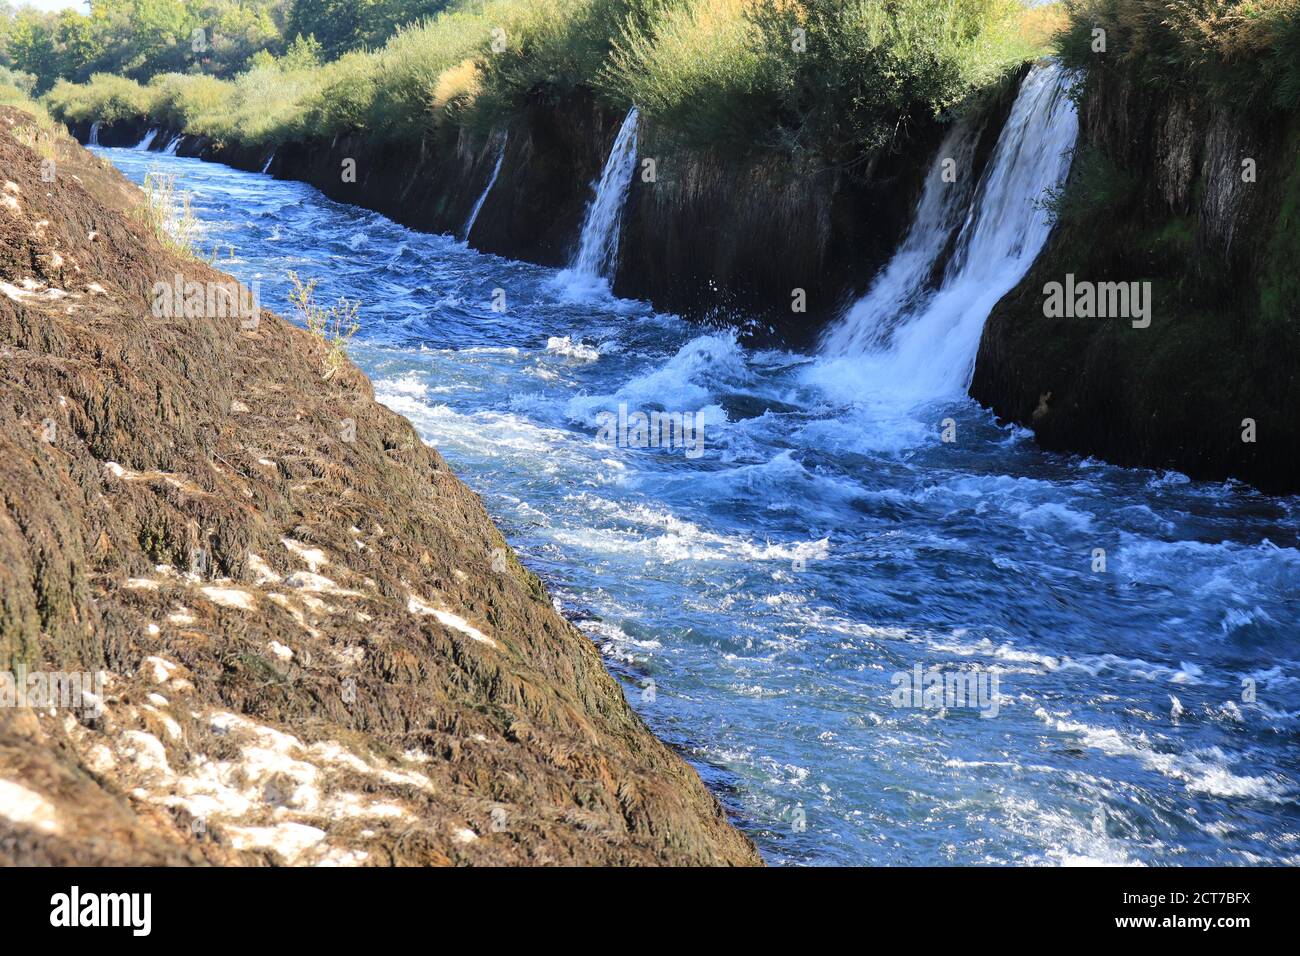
{"x": 829, "y": 78}
{"x": 824, "y": 76}
{"x": 1245, "y": 53}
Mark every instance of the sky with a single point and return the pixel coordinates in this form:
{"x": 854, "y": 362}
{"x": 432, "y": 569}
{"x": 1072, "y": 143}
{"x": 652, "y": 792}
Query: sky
{"x": 49, "y": 5}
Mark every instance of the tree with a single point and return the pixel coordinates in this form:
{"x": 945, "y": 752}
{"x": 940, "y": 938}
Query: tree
{"x": 30, "y": 45}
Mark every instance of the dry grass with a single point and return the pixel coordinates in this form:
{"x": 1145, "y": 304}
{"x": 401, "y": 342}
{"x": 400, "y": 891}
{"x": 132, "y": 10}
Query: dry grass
{"x": 333, "y": 326}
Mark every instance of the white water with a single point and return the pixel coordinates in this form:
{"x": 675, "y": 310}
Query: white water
{"x": 149, "y": 137}
{"x": 270, "y": 159}
{"x": 598, "y": 246}
{"x": 904, "y": 341}
{"x": 94, "y": 133}
{"x": 496, "y": 171}
{"x": 170, "y": 148}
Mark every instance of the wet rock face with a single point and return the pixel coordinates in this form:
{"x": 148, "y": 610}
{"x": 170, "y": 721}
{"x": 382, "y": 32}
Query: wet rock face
{"x": 303, "y": 640}
{"x": 758, "y": 241}
{"x": 1197, "y": 199}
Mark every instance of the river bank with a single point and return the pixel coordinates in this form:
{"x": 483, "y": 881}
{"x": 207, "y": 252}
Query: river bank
{"x": 306, "y": 641}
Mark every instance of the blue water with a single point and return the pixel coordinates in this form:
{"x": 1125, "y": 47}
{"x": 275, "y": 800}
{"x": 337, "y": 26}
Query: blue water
{"x": 758, "y": 600}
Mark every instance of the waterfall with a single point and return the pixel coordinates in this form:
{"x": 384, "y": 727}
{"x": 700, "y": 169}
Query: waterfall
{"x": 496, "y": 170}
{"x": 149, "y": 137}
{"x": 598, "y": 248}
{"x": 920, "y": 344}
{"x": 267, "y": 168}
{"x": 172, "y": 144}
{"x": 94, "y": 134}
{"x": 907, "y": 277}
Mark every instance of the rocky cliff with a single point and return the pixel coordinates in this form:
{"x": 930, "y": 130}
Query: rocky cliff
{"x": 305, "y": 641}
{"x": 1203, "y": 202}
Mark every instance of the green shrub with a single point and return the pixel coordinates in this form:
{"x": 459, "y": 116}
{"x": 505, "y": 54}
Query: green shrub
{"x": 1242, "y": 52}
{"x": 104, "y": 97}
{"x": 188, "y": 101}
{"x": 830, "y": 76}
{"x": 725, "y": 73}
{"x": 697, "y": 66}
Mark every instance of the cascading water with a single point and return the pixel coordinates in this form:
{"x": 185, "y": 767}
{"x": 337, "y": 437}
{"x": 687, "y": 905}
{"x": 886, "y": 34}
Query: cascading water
{"x": 94, "y": 134}
{"x": 496, "y": 171}
{"x": 148, "y": 139}
{"x": 172, "y": 144}
{"x": 919, "y": 345}
{"x": 940, "y": 211}
{"x": 598, "y": 246}
{"x": 270, "y": 159}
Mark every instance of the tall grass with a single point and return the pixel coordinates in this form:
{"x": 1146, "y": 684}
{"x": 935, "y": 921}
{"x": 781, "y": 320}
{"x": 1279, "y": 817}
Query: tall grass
{"x": 168, "y": 214}
{"x": 333, "y": 326}
{"x": 1242, "y": 52}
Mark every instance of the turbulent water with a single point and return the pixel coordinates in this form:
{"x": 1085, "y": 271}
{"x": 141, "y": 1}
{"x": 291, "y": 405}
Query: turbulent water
{"x": 763, "y": 599}
{"x": 913, "y": 342}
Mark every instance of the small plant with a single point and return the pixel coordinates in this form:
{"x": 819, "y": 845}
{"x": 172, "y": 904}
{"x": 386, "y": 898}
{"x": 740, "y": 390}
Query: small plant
{"x": 333, "y": 326}
{"x": 169, "y": 215}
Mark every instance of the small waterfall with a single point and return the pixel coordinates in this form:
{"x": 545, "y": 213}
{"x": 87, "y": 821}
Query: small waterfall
{"x": 149, "y": 137}
{"x": 172, "y": 145}
{"x": 270, "y": 159}
{"x": 94, "y": 134}
{"x": 920, "y": 345}
{"x": 908, "y": 275}
{"x": 598, "y": 247}
{"x": 496, "y": 170}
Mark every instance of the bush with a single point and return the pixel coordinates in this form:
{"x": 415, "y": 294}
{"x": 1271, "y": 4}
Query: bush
{"x": 104, "y": 97}
{"x": 24, "y": 83}
{"x": 1242, "y": 52}
{"x": 831, "y": 76}
{"x": 718, "y": 72}
{"x": 699, "y": 68}
{"x": 188, "y": 101}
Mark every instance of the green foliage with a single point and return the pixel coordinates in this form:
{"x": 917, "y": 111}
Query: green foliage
{"x": 105, "y": 97}
{"x": 24, "y": 83}
{"x": 1280, "y": 281}
{"x": 1096, "y": 192}
{"x": 700, "y": 67}
{"x": 1245, "y": 53}
{"x": 187, "y": 101}
{"x": 139, "y": 38}
{"x": 409, "y": 67}
{"x": 827, "y": 78}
